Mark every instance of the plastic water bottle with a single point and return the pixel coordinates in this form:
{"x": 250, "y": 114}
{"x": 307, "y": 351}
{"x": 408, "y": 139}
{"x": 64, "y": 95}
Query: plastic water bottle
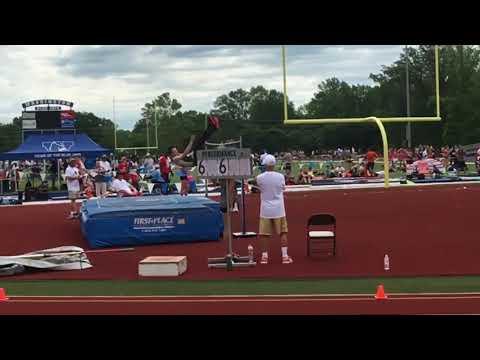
{"x": 250, "y": 253}
{"x": 386, "y": 263}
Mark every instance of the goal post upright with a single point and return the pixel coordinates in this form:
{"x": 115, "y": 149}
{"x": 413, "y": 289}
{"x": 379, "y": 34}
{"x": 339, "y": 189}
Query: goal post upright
{"x": 379, "y": 121}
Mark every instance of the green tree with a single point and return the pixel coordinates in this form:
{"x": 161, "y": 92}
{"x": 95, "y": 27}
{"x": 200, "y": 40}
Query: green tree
{"x": 10, "y": 136}
{"x": 98, "y": 129}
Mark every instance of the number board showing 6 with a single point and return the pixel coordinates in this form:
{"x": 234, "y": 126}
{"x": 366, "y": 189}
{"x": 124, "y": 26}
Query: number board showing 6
{"x": 224, "y": 162}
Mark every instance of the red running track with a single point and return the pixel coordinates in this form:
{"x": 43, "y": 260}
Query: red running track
{"x": 425, "y": 230}
{"x": 246, "y": 305}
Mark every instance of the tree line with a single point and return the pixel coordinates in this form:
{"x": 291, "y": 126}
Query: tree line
{"x": 256, "y": 114}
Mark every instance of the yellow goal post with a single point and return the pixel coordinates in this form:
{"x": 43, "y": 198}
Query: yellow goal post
{"x": 371, "y": 119}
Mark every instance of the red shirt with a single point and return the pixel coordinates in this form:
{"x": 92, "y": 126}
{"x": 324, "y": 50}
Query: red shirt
{"x": 371, "y": 156}
{"x": 123, "y": 167}
{"x": 165, "y": 165}
{"x": 133, "y": 178}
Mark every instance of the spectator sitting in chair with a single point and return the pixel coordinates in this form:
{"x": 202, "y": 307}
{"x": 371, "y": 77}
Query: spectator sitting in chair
{"x": 371, "y": 157}
{"x": 89, "y": 188}
{"x": 289, "y": 179}
{"x": 319, "y": 175}
{"x": 410, "y": 169}
{"x": 157, "y": 178}
{"x": 310, "y": 173}
{"x": 477, "y": 161}
{"x": 123, "y": 188}
{"x": 339, "y": 171}
{"x": 423, "y": 169}
{"x": 358, "y": 169}
{"x": 156, "y": 175}
{"x": 287, "y": 162}
{"x": 304, "y": 177}
{"x": 460, "y": 163}
{"x": 133, "y": 177}
{"x": 361, "y": 170}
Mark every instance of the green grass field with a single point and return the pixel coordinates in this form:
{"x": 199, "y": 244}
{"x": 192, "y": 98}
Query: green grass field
{"x": 447, "y": 284}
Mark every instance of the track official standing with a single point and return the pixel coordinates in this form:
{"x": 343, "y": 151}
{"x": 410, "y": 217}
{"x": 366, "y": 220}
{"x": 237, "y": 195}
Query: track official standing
{"x": 272, "y": 209}
{"x": 72, "y": 175}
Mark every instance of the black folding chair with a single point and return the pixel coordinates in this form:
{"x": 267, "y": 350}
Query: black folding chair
{"x": 324, "y": 240}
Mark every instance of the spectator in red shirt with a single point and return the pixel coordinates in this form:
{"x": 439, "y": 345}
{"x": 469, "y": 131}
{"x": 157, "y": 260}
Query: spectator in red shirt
{"x": 371, "y": 157}
{"x": 133, "y": 178}
{"x": 123, "y": 168}
{"x": 165, "y": 168}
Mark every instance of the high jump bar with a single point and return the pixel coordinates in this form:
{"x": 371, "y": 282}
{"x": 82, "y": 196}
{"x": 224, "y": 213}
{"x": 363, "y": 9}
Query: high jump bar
{"x": 377, "y": 120}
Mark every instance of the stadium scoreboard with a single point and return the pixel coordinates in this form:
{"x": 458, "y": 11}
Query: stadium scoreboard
{"x": 49, "y": 116}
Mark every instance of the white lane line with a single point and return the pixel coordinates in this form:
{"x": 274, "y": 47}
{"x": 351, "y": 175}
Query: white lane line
{"x": 248, "y": 300}
{"x": 242, "y": 295}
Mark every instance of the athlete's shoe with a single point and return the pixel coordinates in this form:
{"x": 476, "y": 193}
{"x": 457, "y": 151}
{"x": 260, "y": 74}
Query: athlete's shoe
{"x": 73, "y": 216}
{"x": 214, "y": 121}
{"x": 191, "y": 158}
{"x": 264, "y": 260}
{"x": 287, "y": 260}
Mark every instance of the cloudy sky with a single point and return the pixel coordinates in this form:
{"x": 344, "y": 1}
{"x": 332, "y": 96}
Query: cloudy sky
{"x": 90, "y": 76}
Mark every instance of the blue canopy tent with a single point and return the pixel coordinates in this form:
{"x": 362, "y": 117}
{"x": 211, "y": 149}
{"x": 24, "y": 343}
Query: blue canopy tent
{"x": 55, "y": 146}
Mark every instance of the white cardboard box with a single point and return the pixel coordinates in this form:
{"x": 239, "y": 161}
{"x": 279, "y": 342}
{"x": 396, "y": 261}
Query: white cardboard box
{"x": 162, "y": 266}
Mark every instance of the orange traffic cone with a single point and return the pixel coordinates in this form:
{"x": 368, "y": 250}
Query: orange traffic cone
{"x": 380, "y": 295}
{"x": 3, "y": 296}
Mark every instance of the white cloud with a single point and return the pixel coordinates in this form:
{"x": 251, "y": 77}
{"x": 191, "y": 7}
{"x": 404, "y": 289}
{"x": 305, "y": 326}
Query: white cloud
{"x": 91, "y": 76}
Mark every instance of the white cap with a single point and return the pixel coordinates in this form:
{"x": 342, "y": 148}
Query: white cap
{"x": 269, "y": 160}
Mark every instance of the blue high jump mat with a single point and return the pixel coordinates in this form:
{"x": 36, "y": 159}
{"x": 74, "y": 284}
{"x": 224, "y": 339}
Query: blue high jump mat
{"x": 150, "y": 220}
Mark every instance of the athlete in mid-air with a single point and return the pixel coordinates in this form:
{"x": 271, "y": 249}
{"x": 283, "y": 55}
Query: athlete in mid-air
{"x": 180, "y": 159}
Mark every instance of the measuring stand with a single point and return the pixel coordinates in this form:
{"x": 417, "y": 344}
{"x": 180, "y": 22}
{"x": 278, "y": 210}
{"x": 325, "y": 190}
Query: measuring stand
{"x": 226, "y": 164}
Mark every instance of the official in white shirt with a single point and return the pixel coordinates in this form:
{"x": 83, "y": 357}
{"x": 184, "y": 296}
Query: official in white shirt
{"x": 72, "y": 176}
{"x": 272, "y": 209}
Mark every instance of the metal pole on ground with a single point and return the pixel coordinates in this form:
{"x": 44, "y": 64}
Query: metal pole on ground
{"x": 230, "y": 260}
{"x": 244, "y": 232}
{"x": 228, "y": 228}
{"x": 206, "y": 180}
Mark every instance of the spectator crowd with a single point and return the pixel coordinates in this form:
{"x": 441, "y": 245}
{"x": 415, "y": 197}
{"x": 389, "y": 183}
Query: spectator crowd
{"x": 128, "y": 174}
